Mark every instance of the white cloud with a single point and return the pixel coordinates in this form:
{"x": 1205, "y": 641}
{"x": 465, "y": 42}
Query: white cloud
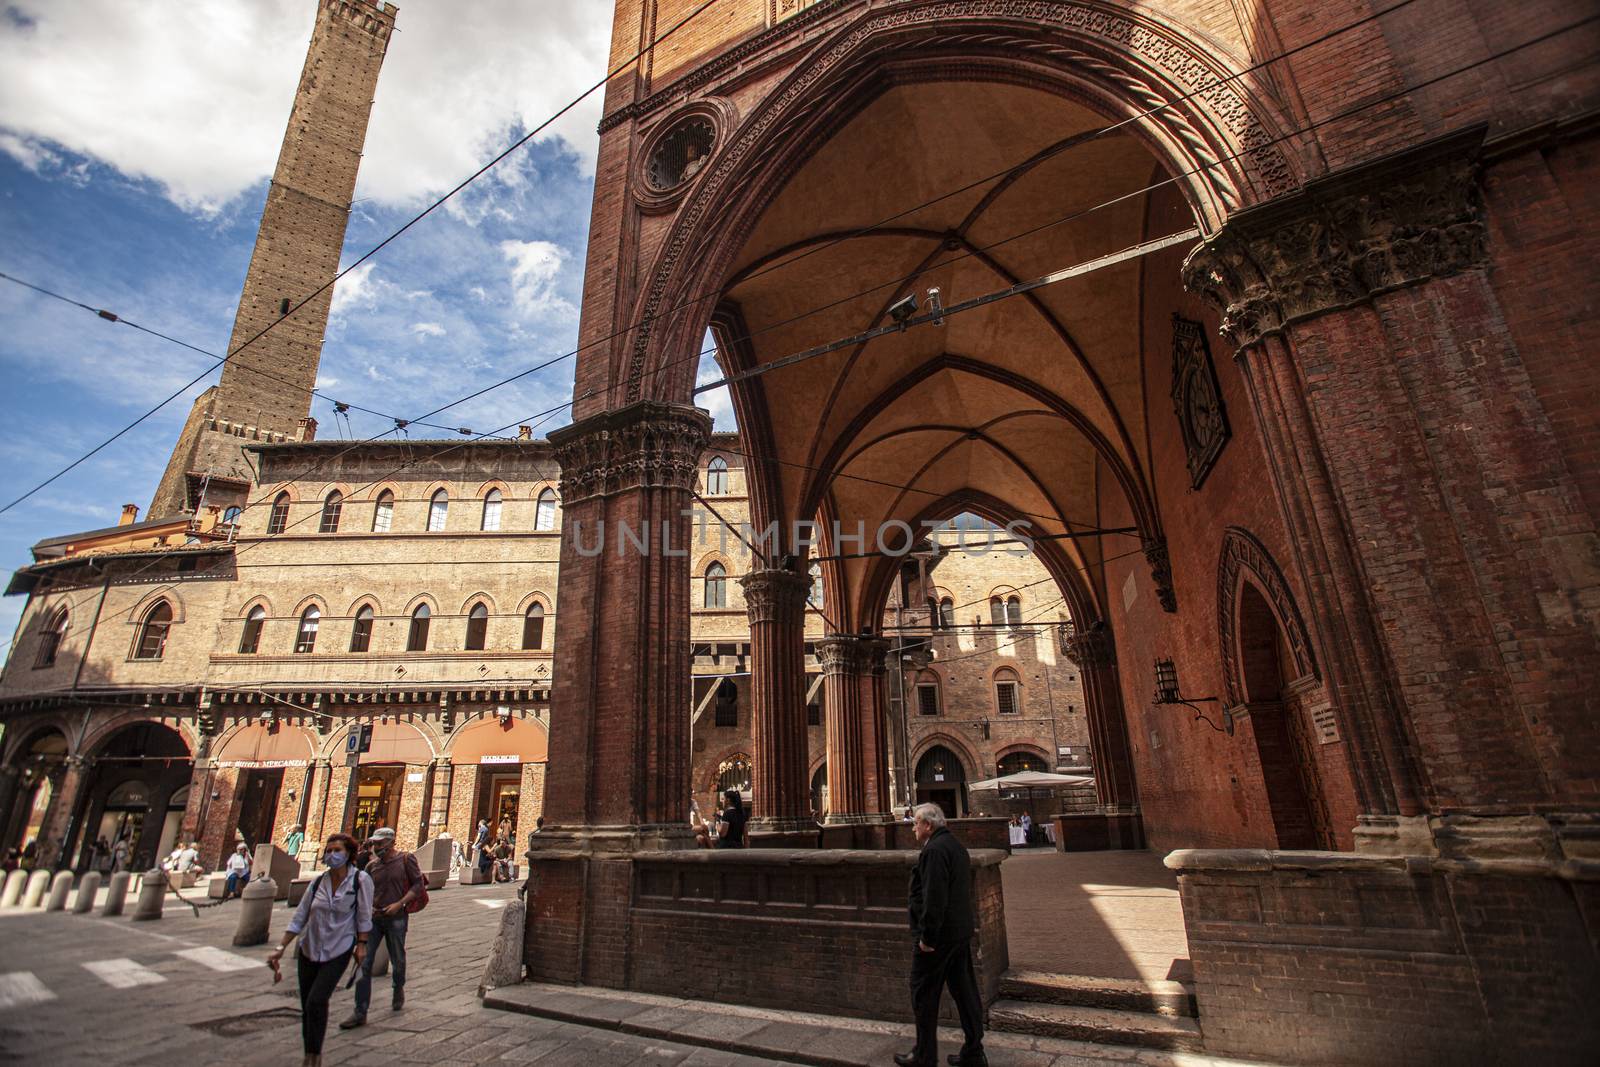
{"x": 535, "y": 270}
{"x": 355, "y": 291}
{"x": 214, "y": 81}
{"x": 427, "y": 329}
{"x": 717, "y": 401}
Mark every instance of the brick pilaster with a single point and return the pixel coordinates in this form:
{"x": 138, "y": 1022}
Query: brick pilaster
{"x": 776, "y": 601}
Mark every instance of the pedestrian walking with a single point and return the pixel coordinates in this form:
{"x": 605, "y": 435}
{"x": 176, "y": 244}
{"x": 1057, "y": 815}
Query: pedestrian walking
{"x": 480, "y": 840}
{"x": 398, "y": 890}
{"x": 238, "y": 871}
{"x": 731, "y": 821}
{"x": 333, "y": 922}
{"x": 295, "y": 841}
{"x": 942, "y": 922}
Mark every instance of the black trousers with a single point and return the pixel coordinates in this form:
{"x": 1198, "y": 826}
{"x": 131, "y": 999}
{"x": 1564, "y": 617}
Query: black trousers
{"x": 946, "y": 965}
{"x": 317, "y": 983}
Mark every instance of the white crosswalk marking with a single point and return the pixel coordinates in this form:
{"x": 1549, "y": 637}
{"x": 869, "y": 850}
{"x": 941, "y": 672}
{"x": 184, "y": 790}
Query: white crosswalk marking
{"x": 22, "y": 987}
{"x": 123, "y": 973}
{"x": 220, "y": 960}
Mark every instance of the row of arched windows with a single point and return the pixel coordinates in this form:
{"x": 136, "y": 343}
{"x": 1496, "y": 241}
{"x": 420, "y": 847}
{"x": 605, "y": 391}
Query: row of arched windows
{"x": 1003, "y": 611}
{"x": 1007, "y": 693}
{"x": 544, "y": 512}
{"x": 417, "y": 630}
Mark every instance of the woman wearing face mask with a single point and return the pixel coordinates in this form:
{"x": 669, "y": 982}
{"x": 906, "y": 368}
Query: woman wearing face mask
{"x": 332, "y": 921}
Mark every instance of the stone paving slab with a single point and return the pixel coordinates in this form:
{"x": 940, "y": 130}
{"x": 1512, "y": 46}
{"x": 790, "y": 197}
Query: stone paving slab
{"x": 800, "y": 1037}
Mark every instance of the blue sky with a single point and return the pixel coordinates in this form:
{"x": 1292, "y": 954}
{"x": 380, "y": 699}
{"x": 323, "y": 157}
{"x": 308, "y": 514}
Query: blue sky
{"x": 120, "y": 187}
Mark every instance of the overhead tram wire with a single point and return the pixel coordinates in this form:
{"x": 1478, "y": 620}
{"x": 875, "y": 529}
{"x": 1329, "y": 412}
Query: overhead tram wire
{"x": 1492, "y": 57}
{"x": 1030, "y": 162}
{"x": 424, "y": 213}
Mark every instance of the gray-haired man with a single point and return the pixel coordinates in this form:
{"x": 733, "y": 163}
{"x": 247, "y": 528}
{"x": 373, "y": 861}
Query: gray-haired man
{"x": 943, "y": 922}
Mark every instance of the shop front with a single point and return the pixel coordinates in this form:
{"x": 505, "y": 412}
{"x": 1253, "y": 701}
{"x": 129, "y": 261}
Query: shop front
{"x": 497, "y": 767}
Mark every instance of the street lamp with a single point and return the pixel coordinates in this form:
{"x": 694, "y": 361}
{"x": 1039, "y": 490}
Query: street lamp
{"x": 1168, "y": 692}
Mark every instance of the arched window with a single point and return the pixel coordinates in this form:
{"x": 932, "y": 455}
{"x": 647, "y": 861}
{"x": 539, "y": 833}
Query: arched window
{"x": 544, "y": 512}
{"x": 417, "y": 638}
{"x": 477, "y": 627}
{"x": 231, "y": 516}
{"x": 383, "y": 513}
{"x": 1014, "y": 610}
{"x": 55, "y": 632}
{"x": 278, "y": 518}
{"x": 361, "y": 632}
{"x": 1007, "y": 692}
{"x": 1017, "y": 762}
{"x": 816, "y": 586}
{"x": 491, "y": 510}
{"x": 947, "y": 613}
{"x": 733, "y": 773}
{"x": 716, "y": 586}
{"x": 331, "y": 507}
{"x": 997, "y": 611}
{"x": 717, "y": 477}
{"x": 306, "y": 639}
{"x": 250, "y": 640}
{"x": 928, "y": 702}
{"x": 727, "y": 713}
{"x": 533, "y": 627}
{"x": 933, "y": 613}
{"x": 438, "y": 511}
{"x": 153, "y": 631}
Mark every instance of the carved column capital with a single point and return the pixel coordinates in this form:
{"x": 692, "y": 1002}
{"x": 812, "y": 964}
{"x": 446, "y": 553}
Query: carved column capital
{"x": 876, "y": 650}
{"x": 647, "y": 445}
{"x": 1345, "y": 238}
{"x": 842, "y": 654}
{"x": 773, "y": 594}
{"x": 1091, "y": 648}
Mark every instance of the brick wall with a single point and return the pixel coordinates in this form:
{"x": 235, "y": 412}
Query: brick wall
{"x": 1319, "y": 958}
{"x": 806, "y": 930}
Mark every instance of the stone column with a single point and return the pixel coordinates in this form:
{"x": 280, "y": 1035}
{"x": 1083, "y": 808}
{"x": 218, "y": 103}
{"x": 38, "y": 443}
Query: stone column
{"x": 844, "y": 663}
{"x": 875, "y": 728}
{"x": 1092, "y": 650}
{"x": 776, "y": 599}
{"x": 1439, "y": 531}
{"x": 8, "y": 794}
{"x": 66, "y": 793}
{"x": 619, "y": 738}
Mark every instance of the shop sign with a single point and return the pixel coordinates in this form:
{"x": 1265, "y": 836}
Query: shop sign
{"x": 414, "y": 777}
{"x": 500, "y": 759}
{"x": 260, "y": 764}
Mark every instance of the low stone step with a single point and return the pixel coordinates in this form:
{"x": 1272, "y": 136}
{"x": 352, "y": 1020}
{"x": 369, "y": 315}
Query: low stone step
{"x": 1117, "y": 994}
{"x": 1100, "y": 1025}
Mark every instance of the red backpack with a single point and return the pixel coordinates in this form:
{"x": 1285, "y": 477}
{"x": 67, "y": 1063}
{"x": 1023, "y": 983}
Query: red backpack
{"x": 419, "y": 901}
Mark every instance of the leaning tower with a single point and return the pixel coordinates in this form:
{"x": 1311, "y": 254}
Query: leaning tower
{"x": 265, "y": 392}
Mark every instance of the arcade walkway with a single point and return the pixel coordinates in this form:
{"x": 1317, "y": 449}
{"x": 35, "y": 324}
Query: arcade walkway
{"x": 1103, "y": 914}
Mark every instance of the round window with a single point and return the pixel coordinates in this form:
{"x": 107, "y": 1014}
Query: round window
{"x": 680, "y": 154}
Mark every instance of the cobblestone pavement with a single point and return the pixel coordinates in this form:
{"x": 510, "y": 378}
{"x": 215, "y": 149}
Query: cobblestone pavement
{"x": 1105, "y": 914}
{"x": 81, "y": 989}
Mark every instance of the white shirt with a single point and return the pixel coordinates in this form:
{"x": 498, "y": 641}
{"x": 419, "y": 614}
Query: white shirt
{"x": 328, "y": 920}
{"x": 238, "y": 863}
{"x": 188, "y": 858}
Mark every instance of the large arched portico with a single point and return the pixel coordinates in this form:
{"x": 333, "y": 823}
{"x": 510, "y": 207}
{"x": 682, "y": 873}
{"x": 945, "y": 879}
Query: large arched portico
{"x": 966, "y": 147}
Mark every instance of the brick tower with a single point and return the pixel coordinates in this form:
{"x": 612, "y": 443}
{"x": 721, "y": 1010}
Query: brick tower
{"x": 265, "y": 392}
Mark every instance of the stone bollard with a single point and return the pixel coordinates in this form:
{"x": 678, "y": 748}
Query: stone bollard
{"x": 255, "y": 912}
{"x": 33, "y": 895}
{"x": 88, "y": 889}
{"x": 152, "y": 896}
{"x": 117, "y": 894}
{"x": 60, "y": 888}
{"x": 11, "y": 895}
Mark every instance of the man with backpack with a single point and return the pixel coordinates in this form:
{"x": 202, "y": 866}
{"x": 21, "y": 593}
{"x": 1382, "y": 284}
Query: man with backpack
{"x": 399, "y": 890}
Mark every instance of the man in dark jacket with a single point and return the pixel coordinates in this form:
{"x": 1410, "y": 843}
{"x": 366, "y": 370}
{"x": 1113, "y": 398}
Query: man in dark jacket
{"x": 943, "y": 922}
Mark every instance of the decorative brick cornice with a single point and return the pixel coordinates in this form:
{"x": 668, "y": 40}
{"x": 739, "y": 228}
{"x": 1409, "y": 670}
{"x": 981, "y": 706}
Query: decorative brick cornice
{"x": 648, "y": 445}
{"x": 842, "y": 654}
{"x": 775, "y": 595}
{"x": 1345, "y": 238}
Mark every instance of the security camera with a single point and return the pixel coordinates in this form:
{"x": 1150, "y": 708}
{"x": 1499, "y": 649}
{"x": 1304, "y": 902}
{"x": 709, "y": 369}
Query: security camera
{"x": 902, "y": 310}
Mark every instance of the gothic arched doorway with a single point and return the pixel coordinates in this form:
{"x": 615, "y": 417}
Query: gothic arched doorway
{"x": 942, "y": 780}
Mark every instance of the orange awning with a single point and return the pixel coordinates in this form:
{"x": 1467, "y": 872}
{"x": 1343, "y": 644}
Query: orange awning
{"x": 255, "y": 745}
{"x": 392, "y": 742}
{"x": 490, "y": 741}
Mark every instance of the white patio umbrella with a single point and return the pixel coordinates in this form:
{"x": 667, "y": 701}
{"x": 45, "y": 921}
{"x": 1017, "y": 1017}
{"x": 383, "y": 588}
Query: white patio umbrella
{"x": 1033, "y": 780}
